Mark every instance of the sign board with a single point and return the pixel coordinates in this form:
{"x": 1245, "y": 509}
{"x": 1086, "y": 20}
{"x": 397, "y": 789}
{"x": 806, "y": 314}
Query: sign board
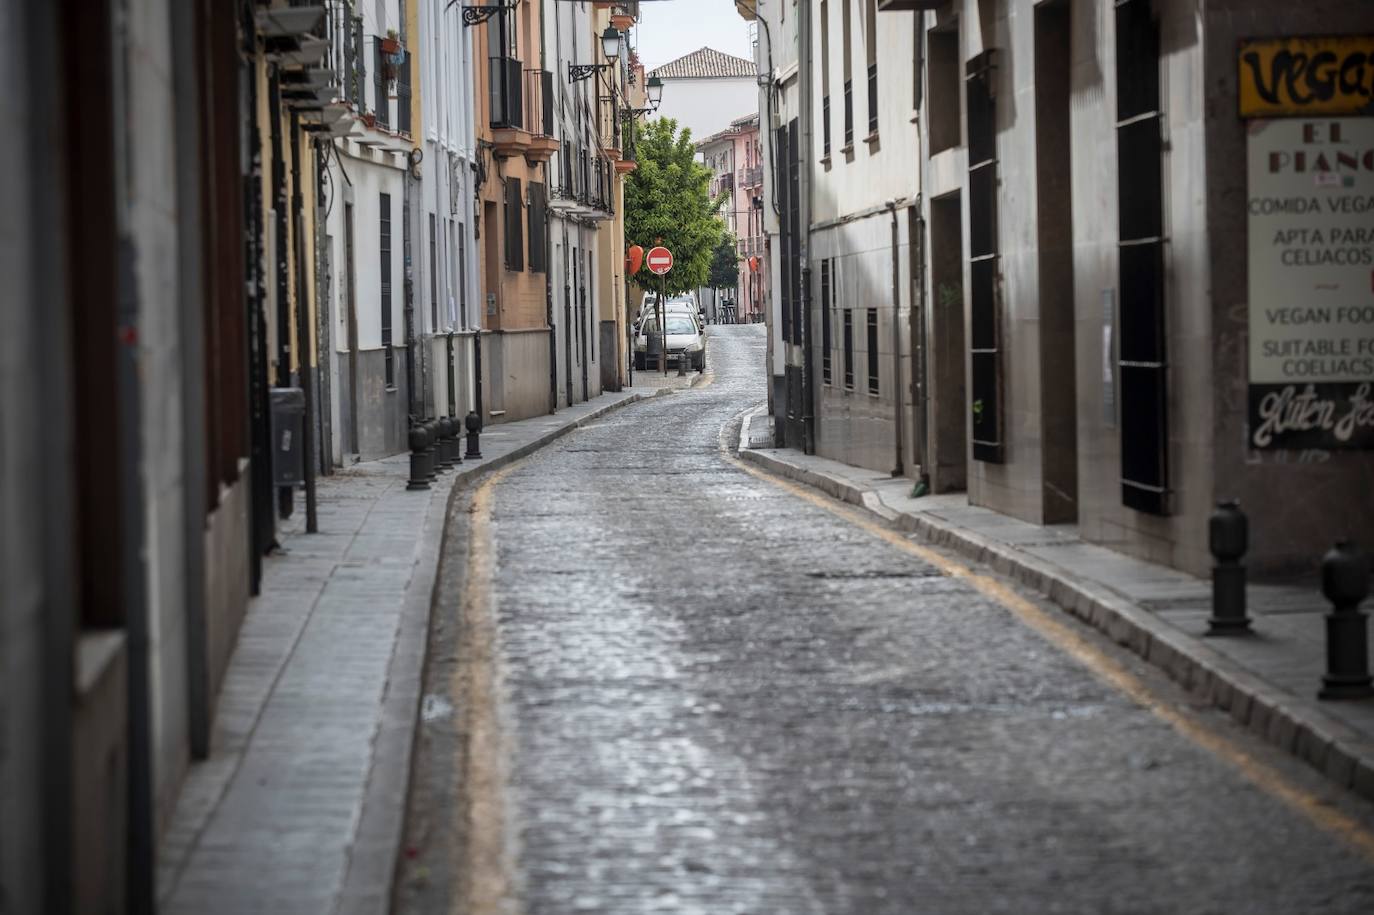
{"x": 660, "y": 260}
{"x": 1306, "y": 77}
{"x": 1311, "y": 278}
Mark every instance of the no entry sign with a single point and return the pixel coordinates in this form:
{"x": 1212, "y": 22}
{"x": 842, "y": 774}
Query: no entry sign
{"x": 660, "y": 260}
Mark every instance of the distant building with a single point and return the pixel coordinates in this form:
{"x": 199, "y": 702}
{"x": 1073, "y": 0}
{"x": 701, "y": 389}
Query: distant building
{"x": 702, "y": 89}
{"x": 735, "y": 157}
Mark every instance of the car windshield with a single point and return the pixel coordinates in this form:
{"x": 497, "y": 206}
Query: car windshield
{"x": 681, "y": 326}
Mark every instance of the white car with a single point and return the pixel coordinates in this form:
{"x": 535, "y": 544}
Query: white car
{"x": 673, "y": 307}
{"x": 685, "y": 340}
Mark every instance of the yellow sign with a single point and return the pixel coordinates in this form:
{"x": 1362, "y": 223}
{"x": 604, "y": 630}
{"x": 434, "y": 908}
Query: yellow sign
{"x": 1302, "y": 77}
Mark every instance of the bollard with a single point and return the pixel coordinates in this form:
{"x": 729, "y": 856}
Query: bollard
{"x": 446, "y": 442}
{"x": 1228, "y": 538}
{"x": 419, "y": 473}
{"x": 682, "y": 364}
{"x": 474, "y": 424}
{"x": 432, "y": 430}
{"x": 456, "y": 423}
{"x": 1345, "y": 582}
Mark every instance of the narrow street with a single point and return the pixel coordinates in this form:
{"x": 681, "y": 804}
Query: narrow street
{"x": 658, "y": 681}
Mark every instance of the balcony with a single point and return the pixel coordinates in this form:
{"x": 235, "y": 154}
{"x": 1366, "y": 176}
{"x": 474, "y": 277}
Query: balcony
{"x": 722, "y": 183}
{"x": 539, "y": 122}
{"x": 506, "y": 97}
{"x": 751, "y": 177}
{"x": 624, "y": 15}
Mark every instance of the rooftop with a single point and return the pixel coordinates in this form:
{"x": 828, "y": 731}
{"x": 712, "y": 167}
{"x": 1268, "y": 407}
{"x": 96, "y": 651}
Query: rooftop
{"x": 706, "y": 63}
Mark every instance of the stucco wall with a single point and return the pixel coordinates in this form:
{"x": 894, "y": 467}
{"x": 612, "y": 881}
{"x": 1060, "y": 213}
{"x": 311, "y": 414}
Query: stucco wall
{"x": 707, "y": 106}
{"x": 515, "y": 374}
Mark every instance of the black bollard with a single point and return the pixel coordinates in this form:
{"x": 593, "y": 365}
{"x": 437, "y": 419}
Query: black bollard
{"x": 455, "y": 443}
{"x": 682, "y": 364}
{"x": 1228, "y": 538}
{"x": 432, "y": 427}
{"x": 474, "y": 424}
{"x": 419, "y": 472}
{"x": 1345, "y": 582}
{"x": 445, "y": 442}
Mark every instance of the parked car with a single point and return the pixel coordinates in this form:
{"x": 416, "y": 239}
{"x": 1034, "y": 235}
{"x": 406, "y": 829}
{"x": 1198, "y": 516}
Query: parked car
{"x": 685, "y": 340}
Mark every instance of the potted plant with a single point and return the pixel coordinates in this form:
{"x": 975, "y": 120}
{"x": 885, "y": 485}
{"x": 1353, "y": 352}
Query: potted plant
{"x": 391, "y": 44}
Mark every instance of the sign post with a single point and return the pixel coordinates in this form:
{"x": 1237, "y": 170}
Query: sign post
{"x": 660, "y": 261}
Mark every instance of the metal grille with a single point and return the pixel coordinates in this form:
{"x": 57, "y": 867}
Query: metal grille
{"x": 985, "y": 357}
{"x": 1143, "y": 348}
{"x": 384, "y": 250}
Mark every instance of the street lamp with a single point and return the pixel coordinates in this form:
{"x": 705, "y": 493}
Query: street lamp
{"x": 655, "y": 88}
{"x": 610, "y": 47}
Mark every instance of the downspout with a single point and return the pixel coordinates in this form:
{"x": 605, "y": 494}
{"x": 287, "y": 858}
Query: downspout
{"x": 303, "y": 329}
{"x": 805, "y": 190}
{"x": 920, "y": 368}
{"x": 897, "y": 469}
{"x": 548, "y": 224}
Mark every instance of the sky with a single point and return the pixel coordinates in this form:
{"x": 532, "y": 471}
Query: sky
{"x": 668, "y": 29}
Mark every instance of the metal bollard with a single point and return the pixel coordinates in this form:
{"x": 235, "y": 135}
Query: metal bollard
{"x": 474, "y": 425}
{"x": 1228, "y": 533}
{"x": 682, "y": 364}
{"x": 419, "y": 472}
{"x": 456, "y": 439}
{"x": 432, "y": 430}
{"x": 446, "y": 442}
{"x": 1345, "y": 582}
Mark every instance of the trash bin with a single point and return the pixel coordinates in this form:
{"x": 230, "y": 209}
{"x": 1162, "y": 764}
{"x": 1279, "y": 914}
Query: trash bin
{"x": 288, "y": 436}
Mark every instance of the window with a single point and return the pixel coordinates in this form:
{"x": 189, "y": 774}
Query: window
{"x": 538, "y": 210}
{"x": 384, "y": 251}
{"x": 872, "y": 344}
{"x": 1142, "y": 358}
{"x": 826, "y": 373}
{"x": 872, "y": 43}
{"x": 846, "y": 34}
{"x": 848, "y": 349}
{"x": 985, "y": 361}
{"x": 825, "y": 78}
{"x": 942, "y": 59}
{"x": 381, "y": 104}
{"x": 515, "y": 241}
{"x": 433, "y": 277}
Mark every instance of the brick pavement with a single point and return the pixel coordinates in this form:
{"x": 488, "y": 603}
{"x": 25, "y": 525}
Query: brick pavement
{"x": 299, "y": 807}
{"x": 1267, "y": 680}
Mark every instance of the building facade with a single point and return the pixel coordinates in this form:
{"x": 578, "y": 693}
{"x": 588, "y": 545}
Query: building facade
{"x": 705, "y": 89}
{"x": 1015, "y": 270}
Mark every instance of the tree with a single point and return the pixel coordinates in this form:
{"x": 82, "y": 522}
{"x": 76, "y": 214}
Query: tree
{"x": 668, "y": 197}
{"x": 724, "y": 264}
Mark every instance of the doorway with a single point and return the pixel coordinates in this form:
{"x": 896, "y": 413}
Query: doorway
{"x": 1054, "y": 218}
{"x": 947, "y": 372}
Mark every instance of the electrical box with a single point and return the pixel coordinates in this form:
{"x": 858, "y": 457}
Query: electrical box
{"x": 288, "y": 436}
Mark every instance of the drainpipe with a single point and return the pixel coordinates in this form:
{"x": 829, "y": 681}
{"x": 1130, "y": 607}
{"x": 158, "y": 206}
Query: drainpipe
{"x": 303, "y": 329}
{"x": 897, "y": 469}
{"x": 548, "y": 223}
{"x": 805, "y": 189}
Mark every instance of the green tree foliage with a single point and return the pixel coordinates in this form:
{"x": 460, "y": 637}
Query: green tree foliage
{"x": 668, "y": 197}
{"x": 725, "y": 264}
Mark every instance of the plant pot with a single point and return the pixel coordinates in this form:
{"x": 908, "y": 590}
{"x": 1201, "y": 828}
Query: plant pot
{"x": 391, "y": 46}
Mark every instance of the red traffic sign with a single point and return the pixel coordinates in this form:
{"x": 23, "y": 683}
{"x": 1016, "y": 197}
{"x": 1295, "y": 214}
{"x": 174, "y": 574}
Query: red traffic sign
{"x": 660, "y": 260}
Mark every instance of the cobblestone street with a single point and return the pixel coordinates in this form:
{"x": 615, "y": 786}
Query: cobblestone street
{"x": 660, "y": 683}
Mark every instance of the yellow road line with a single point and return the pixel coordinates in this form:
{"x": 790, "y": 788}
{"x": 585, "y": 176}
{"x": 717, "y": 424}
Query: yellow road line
{"x": 1058, "y": 633}
{"x": 486, "y": 876}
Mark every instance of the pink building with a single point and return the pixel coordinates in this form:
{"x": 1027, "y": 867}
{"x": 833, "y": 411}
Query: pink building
{"x": 735, "y": 158}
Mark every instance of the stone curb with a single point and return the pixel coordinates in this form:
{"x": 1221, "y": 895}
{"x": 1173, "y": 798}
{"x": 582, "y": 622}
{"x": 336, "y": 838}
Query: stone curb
{"x": 1331, "y": 747}
{"x": 370, "y": 875}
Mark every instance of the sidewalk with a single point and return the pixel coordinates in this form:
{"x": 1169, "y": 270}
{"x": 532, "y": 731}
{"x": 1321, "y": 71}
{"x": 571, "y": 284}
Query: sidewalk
{"x": 1267, "y": 680}
{"x": 300, "y": 807}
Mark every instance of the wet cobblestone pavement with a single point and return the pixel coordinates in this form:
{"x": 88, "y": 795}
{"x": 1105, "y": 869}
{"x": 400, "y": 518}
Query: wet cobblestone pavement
{"x": 717, "y": 697}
